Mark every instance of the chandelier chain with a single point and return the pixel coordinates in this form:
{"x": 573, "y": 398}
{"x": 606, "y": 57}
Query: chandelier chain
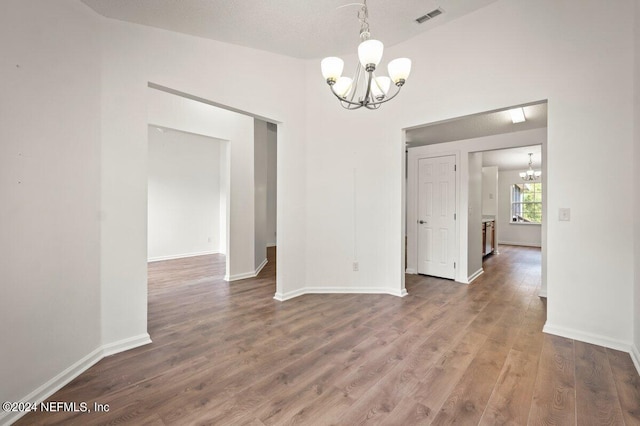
{"x": 363, "y": 16}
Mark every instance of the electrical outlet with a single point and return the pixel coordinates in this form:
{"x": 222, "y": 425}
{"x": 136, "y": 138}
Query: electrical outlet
{"x": 564, "y": 214}
{"x": 356, "y": 267}
{"x": 209, "y": 239}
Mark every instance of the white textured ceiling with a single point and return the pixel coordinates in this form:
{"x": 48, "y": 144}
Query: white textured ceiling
{"x": 298, "y": 28}
{"x": 478, "y": 125}
{"x": 487, "y": 124}
{"x": 514, "y": 158}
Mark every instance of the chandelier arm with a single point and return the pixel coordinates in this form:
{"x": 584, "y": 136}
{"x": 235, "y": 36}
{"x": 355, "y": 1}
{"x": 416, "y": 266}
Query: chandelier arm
{"x": 369, "y": 105}
{"x": 343, "y": 99}
{"x": 355, "y": 82}
{"x": 351, "y": 106}
{"x": 385, "y": 100}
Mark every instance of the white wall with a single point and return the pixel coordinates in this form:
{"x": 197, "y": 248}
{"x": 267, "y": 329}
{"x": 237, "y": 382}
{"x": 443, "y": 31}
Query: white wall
{"x": 474, "y": 219}
{"x": 225, "y": 190}
{"x": 272, "y": 183}
{"x": 184, "y": 194}
{"x": 260, "y": 178}
{"x": 490, "y": 191}
{"x": 50, "y": 185}
{"x": 477, "y": 63}
{"x": 135, "y": 55}
{"x": 193, "y": 116}
{"x": 515, "y": 233}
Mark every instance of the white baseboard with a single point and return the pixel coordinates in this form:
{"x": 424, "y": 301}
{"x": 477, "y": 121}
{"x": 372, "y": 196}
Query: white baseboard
{"x": 180, "y": 256}
{"x": 542, "y": 293}
{"x": 410, "y": 271}
{"x": 635, "y": 357}
{"x": 596, "y": 340}
{"x": 519, "y": 243}
{"x": 245, "y": 275}
{"x": 581, "y": 336}
{"x": 475, "y": 275}
{"x": 259, "y": 268}
{"x": 53, "y": 385}
{"x": 242, "y": 276}
{"x": 281, "y": 297}
{"x": 125, "y": 344}
{"x": 271, "y": 245}
{"x": 67, "y": 375}
{"x": 339, "y": 290}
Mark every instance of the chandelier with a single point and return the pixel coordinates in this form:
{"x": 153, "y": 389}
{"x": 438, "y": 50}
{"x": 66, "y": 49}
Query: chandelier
{"x": 365, "y": 89}
{"x": 530, "y": 174}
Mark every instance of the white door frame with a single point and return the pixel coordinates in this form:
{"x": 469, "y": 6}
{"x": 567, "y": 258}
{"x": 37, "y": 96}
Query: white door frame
{"x": 414, "y": 155}
{"x": 462, "y": 148}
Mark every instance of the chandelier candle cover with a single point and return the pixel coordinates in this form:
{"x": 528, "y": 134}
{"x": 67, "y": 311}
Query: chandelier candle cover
{"x": 365, "y": 89}
{"x": 530, "y": 174}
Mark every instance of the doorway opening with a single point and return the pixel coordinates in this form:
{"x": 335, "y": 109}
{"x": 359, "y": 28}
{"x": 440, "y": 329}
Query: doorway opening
{"x": 212, "y": 187}
{"x": 466, "y": 139}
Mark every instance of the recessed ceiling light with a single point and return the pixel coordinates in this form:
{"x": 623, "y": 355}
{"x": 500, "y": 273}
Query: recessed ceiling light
{"x": 517, "y": 115}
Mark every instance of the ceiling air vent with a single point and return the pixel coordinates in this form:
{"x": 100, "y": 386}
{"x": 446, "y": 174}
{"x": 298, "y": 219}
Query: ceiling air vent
{"x": 429, "y": 15}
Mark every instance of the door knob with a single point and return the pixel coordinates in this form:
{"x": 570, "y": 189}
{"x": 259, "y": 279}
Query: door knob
{"x": 421, "y": 222}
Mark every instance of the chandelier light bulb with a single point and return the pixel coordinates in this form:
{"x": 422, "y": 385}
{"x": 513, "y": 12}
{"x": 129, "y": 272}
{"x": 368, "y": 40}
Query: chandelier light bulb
{"x": 399, "y": 70}
{"x": 342, "y": 87}
{"x": 332, "y": 68}
{"x": 370, "y": 53}
{"x": 380, "y": 87}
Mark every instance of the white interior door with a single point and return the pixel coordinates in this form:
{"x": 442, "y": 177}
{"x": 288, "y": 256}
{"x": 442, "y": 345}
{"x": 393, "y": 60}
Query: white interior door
{"x": 436, "y": 216}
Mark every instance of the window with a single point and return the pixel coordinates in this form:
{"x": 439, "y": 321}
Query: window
{"x": 526, "y": 203}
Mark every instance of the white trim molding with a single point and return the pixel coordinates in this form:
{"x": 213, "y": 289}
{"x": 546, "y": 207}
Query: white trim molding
{"x": 517, "y": 243}
{"x": 340, "y": 290}
{"x": 475, "y": 275}
{"x": 74, "y": 370}
{"x": 542, "y": 293}
{"x": 411, "y": 271}
{"x": 635, "y": 357}
{"x": 245, "y": 275}
{"x": 180, "y": 256}
{"x": 262, "y": 265}
{"x": 126, "y": 344}
{"x": 53, "y": 385}
{"x": 595, "y": 339}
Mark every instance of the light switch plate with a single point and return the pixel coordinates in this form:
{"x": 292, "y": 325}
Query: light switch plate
{"x": 565, "y": 214}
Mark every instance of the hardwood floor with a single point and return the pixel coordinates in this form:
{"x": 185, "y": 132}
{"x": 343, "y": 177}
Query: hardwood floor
{"x": 228, "y": 354}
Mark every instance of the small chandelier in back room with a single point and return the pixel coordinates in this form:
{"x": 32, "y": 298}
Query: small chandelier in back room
{"x": 530, "y": 174}
{"x": 365, "y": 89}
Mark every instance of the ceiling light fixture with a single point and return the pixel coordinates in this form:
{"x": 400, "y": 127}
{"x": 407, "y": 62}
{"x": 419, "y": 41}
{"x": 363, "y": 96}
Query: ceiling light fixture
{"x": 530, "y": 174}
{"x": 375, "y": 89}
{"x": 517, "y": 115}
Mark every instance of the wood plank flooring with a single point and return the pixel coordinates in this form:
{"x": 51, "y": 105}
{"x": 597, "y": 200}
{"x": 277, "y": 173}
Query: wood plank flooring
{"x": 228, "y": 354}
